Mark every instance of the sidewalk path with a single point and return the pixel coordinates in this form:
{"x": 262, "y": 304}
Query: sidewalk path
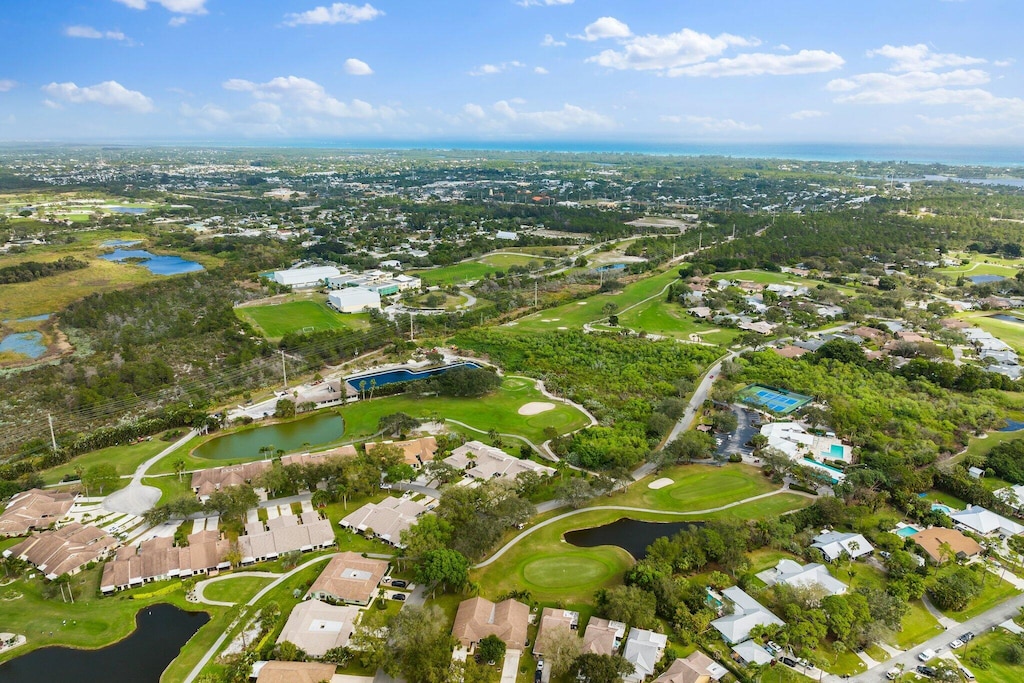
{"x": 137, "y": 498}
{"x": 201, "y": 586}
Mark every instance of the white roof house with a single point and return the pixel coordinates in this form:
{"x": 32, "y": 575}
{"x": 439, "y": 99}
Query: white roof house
{"x": 643, "y": 650}
{"x": 481, "y": 461}
{"x": 985, "y": 522}
{"x": 833, "y": 544}
{"x": 1011, "y": 495}
{"x": 796, "y": 575}
{"x": 312, "y": 276}
{"x": 747, "y": 613}
{"x": 353, "y": 300}
{"x": 750, "y": 652}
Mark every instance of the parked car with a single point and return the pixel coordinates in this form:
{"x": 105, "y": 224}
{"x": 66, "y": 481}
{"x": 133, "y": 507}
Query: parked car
{"x": 400, "y": 597}
{"x": 772, "y": 647}
{"x": 399, "y": 583}
{"x": 956, "y": 644}
{"x": 967, "y": 637}
{"x": 788, "y": 661}
{"x": 926, "y": 671}
{"x": 892, "y": 673}
{"x": 926, "y": 655}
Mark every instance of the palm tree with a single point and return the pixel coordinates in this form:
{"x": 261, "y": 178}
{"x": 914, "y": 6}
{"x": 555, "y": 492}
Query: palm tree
{"x": 320, "y": 498}
{"x": 179, "y": 467}
{"x": 373, "y": 385}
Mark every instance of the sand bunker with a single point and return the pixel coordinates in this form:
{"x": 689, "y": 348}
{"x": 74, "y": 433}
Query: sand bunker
{"x": 536, "y": 407}
{"x": 660, "y": 483}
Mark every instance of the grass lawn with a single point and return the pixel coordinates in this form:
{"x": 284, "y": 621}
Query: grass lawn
{"x": 697, "y": 487}
{"x": 918, "y": 626}
{"x": 170, "y": 487}
{"x": 503, "y": 261}
{"x": 947, "y": 499}
{"x": 126, "y": 458}
{"x": 769, "y": 278}
{"x": 996, "y": 590}
{"x": 1000, "y": 670}
{"x": 448, "y": 301}
{"x": 982, "y": 445}
{"x": 240, "y": 588}
{"x": 277, "y": 320}
{"x": 456, "y": 274}
{"x": 575, "y": 313}
{"x": 1010, "y": 332}
{"x": 670, "y": 319}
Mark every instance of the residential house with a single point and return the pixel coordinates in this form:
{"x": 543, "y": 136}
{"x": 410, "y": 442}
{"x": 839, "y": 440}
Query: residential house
{"x": 750, "y": 652}
{"x": 304, "y": 459}
{"x": 317, "y": 627}
{"x": 552, "y": 620}
{"x": 65, "y": 550}
{"x": 833, "y": 544}
{"x": 478, "y": 618}
{"x": 985, "y": 522}
{"x": 480, "y": 461}
{"x": 747, "y": 613}
{"x": 1012, "y": 496}
{"x": 285, "y": 534}
{"x": 603, "y": 637}
{"x": 34, "y": 509}
{"x": 810, "y": 576}
{"x": 293, "y": 672}
{"x": 158, "y": 559}
{"x": 386, "y": 519}
{"x": 790, "y": 351}
{"x": 415, "y": 452}
{"x": 643, "y": 649}
{"x": 349, "y": 578}
{"x": 205, "y": 482}
{"x": 937, "y": 540}
{"x": 696, "y": 668}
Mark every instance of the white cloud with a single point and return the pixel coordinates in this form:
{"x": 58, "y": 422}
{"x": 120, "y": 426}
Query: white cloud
{"x": 474, "y": 111}
{"x": 605, "y": 27}
{"x": 805, "y": 114}
{"x": 675, "y": 50}
{"x": 338, "y": 13}
{"x": 920, "y": 58}
{"x": 176, "y": 6}
{"x": 50, "y": 104}
{"x": 308, "y": 97}
{"x": 915, "y": 86}
{"x": 540, "y": 70}
{"x": 549, "y": 41}
{"x": 721, "y": 125}
{"x": 491, "y": 69}
{"x": 763, "y": 63}
{"x": 1003, "y": 62}
{"x": 782, "y": 47}
{"x": 357, "y": 67}
{"x": 569, "y": 117}
{"x": 6, "y": 84}
{"x": 545, "y": 3}
{"x": 670, "y": 119}
{"x": 108, "y": 93}
{"x": 95, "y": 34}
{"x": 175, "y": 22}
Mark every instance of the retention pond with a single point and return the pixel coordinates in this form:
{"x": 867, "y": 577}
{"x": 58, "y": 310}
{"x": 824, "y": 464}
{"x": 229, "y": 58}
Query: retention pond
{"x": 315, "y": 430}
{"x": 631, "y": 535}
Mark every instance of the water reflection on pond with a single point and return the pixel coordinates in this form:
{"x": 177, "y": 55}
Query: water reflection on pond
{"x": 631, "y": 535}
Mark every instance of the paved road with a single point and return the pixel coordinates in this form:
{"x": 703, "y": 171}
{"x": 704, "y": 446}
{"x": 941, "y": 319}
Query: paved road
{"x": 699, "y": 396}
{"x": 137, "y": 498}
{"x": 979, "y": 624}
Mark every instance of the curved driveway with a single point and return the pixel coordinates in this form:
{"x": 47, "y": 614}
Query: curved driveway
{"x": 137, "y": 498}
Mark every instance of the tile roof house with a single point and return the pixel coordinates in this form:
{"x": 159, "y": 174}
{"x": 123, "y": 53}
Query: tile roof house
{"x": 65, "y": 550}
{"x": 317, "y": 627}
{"x": 643, "y": 649}
{"x": 318, "y": 458}
{"x": 293, "y": 672}
{"x": 34, "y": 509}
{"x": 349, "y": 578}
{"x": 487, "y": 462}
{"x": 794, "y": 574}
{"x": 285, "y": 534}
{"x": 416, "y": 452}
{"x": 205, "y": 482}
{"x": 696, "y": 668}
{"x": 747, "y": 613}
{"x": 985, "y": 522}
{"x": 932, "y": 540}
{"x": 552, "y": 620}
{"x": 386, "y": 519}
{"x": 834, "y": 543}
{"x": 157, "y": 559}
{"x": 602, "y": 636}
{"x": 478, "y": 618}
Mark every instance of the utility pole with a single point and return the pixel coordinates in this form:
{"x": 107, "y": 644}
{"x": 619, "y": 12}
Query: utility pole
{"x": 284, "y": 370}
{"x": 535, "y": 294}
{"x": 412, "y": 333}
{"x": 53, "y": 439}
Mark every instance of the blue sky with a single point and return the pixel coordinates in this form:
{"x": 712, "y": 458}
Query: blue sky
{"x": 663, "y": 71}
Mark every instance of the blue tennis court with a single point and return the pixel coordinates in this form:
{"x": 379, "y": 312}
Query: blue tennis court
{"x": 776, "y": 400}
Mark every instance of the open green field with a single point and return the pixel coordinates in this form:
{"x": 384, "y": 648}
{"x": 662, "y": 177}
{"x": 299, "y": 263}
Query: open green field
{"x": 671, "y": 320}
{"x": 551, "y": 569}
{"x": 449, "y": 301}
{"x": 983, "y": 264}
{"x": 277, "y": 320}
{"x": 504, "y": 260}
{"x": 552, "y": 251}
{"x": 1009, "y": 332}
{"x": 982, "y": 445}
{"x": 576, "y": 313}
{"x": 769, "y": 278}
{"x": 999, "y": 670}
{"x": 918, "y": 626}
{"x": 697, "y": 487}
{"x": 170, "y": 486}
{"x": 126, "y": 458}
{"x": 456, "y": 274}
{"x": 238, "y": 588}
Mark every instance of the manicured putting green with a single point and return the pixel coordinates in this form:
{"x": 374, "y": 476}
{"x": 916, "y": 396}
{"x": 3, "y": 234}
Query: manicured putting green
{"x": 566, "y": 570}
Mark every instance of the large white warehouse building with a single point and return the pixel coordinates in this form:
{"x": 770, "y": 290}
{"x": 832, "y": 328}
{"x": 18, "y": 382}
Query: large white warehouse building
{"x": 353, "y": 299}
{"x": 314, "y": 276}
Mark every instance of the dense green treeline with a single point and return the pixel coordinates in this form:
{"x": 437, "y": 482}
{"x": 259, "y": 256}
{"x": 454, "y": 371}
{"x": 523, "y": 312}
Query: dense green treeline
{"x": 27, "y": 271}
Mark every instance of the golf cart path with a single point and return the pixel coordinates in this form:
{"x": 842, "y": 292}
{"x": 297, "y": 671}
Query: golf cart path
{"x": 201, "y": 586}
{"x": 623, "y": 508}
{"x": 137, "y": 498}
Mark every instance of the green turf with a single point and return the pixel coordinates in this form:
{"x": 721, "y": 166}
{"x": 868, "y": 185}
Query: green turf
{"x": 1009, "y": 332}
{"x": 1000, "y": 670}
{"x": 236, "y": 589}
{"x": 554, "y": 573}
{"x": 995, "y": 591}
{"x": 457, "y": 274}
{"x": 697, "y": 487}
{"x": 671, "y": 319}
{"x": 277, "y": 320}
{"x": 126, "y": 458}
{"x": 503, "y": 261}
{"x": 918, "y": 626}
{"x": 170, "y": 486}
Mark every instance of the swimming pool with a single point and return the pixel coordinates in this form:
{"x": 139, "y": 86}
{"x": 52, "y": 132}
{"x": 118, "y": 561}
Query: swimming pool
{"x": 944, "y": 509}
{"x": 401, "y": 375}
{"x": 837, "y": 451}
{"x": 906, "y": 531}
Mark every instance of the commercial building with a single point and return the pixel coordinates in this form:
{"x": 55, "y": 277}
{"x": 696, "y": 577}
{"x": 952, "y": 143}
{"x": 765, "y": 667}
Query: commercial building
{"x": 300, "y": 278}
{"x": 34, "y": 509}
{"x": 349, "y": 578}
{"x": 65, "y": 550}
{"x": 354, "y": 300}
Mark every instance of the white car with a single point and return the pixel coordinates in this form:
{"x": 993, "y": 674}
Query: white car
{"x": 956, "y": 644}
{"x": 926, "y": 655}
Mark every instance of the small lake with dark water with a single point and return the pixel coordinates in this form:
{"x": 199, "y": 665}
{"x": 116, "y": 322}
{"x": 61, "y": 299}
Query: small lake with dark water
{"x": 315, "y": 430}
{"x": 982, "y": 279}
{"x": 1006, "y": 317}
{"x": 158, "y": 265}
{"x": 631, "y": 535}
{"x": 161, "y": 631}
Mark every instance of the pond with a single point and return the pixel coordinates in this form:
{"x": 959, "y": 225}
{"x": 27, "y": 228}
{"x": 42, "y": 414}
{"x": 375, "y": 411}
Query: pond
{"x": 1012, "y": 426}
{"x": 134, "y": 210}
{"x": 119, "y": 243}
{"x": 26, "y": 343}
{"x": 31, "y": 319}
{"x": 982, "y": 279}
{"x": 315, "y": 430}
{"x": 161, "y": 631}
{"x": 158, "y": 265}
{"x": 631, "y": 535}
{"x": 1005, "y": 317}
